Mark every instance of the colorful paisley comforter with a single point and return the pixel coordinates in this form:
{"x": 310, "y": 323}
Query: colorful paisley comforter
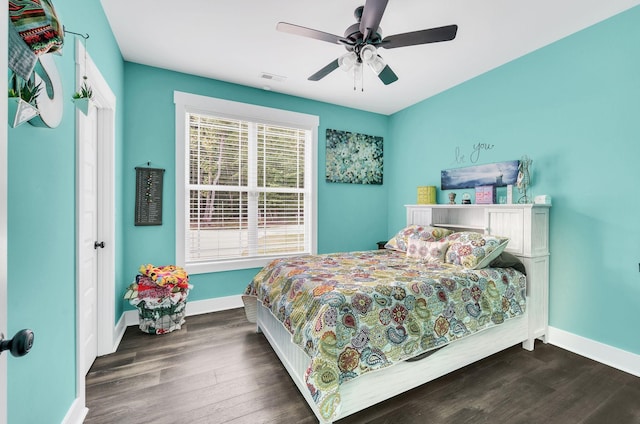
{"x": 361, "y": 311}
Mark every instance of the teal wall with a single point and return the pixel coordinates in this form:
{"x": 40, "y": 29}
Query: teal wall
{"x": 350, "y": 217}
{"x": 41, "y": 232}
{"x": 573, "y": 108}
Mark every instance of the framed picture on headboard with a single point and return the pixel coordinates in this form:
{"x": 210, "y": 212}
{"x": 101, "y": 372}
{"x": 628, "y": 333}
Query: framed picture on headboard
{"x": 498, "y": 174}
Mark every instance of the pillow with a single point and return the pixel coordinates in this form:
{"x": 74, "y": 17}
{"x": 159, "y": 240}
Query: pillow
{"x": 428, "y": 251}
{"x": 507, "y": 260}
{"x": 474, "y": 250}
{"x": 400, "y": 241}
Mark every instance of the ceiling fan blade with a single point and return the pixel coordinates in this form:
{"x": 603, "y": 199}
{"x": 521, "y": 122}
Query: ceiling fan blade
{"x": 433, "y": 35}
{"x": 311, "y": 33}
{"x": 371, "y": 17}
{"x": 324, "y": 71}
{"x": 387, "y": 76}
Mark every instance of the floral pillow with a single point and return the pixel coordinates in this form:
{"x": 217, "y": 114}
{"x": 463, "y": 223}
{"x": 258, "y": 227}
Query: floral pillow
{"x": 423, "y": 232}
{"x": 427, "y": 251}
{"x": 474, "y": 250}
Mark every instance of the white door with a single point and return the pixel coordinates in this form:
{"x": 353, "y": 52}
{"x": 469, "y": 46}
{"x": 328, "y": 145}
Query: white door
{"x": 88, "y": 235}
{"x": 95, "y": 215}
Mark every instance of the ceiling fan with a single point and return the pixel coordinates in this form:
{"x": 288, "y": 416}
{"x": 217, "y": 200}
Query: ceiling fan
{"x": 363, "y": 39}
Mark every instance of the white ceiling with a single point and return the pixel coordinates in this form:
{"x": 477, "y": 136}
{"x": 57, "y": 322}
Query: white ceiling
{"x": 237, "y": 41}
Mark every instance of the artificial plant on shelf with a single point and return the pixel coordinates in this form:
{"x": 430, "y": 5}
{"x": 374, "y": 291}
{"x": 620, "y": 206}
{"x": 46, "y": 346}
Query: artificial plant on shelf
{"x": 22, "y": 100}
{"x": 83, "y": 97}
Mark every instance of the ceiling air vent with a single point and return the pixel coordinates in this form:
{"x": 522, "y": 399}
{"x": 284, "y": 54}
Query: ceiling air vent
{"x": 272, "y": 77}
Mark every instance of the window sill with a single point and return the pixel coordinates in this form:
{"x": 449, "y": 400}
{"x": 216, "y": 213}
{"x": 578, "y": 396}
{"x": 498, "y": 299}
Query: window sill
{"x": 231, "y": 265}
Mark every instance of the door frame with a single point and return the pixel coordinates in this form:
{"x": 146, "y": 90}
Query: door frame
{"x": 4, "y": 137}
{"x": 105, "y": 103}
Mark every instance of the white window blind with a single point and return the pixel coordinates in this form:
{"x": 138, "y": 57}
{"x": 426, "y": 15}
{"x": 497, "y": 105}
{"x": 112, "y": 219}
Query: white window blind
{"x": 249, "y": 193}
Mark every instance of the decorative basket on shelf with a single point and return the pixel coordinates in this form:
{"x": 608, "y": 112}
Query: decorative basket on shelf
{"x": 160, "y": 294}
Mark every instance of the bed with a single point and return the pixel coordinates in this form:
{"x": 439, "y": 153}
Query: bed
{"x": 356, "y": 328}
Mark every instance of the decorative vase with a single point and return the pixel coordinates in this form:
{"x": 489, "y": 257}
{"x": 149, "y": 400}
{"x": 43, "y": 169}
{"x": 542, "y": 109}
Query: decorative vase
{"x": 20, "y": 111}
{"x": 82, "y": 104}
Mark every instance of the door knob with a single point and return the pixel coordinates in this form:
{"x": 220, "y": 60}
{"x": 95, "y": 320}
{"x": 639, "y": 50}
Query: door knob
{"x": 96, "y": 244}
{"x": 19, "y": 345}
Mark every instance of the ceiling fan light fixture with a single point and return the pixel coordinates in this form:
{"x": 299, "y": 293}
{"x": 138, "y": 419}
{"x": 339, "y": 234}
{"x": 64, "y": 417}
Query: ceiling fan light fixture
{"x": 377, "y": 64}
{"x": 368, "y": 53}
{"x": 347, "y": 61}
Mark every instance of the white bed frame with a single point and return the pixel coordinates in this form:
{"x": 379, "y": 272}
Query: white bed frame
{"x": 527, "y": 226}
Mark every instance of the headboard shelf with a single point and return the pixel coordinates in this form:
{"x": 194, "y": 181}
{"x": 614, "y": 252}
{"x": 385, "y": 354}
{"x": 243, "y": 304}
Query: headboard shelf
{"x": 459, "y": 226}
{"x": 526, "y": 225}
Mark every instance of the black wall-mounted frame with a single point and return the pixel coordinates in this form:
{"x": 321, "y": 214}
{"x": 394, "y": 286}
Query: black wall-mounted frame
{"x": 149, "y": 196}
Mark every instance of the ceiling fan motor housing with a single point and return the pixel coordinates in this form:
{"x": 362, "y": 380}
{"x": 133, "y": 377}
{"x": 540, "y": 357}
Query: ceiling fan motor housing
{"x": 353, "y": 33}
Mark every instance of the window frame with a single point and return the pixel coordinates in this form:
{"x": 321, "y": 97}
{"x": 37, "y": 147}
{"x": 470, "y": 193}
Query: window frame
{"x": 193, "y": 103}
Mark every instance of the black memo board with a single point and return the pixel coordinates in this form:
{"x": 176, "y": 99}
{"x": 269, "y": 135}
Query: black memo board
{"x": 149, "y": 196}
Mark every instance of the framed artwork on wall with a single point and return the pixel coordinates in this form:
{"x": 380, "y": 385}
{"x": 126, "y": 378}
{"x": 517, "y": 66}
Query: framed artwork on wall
{"x": 353, "y": 158}
{"x": 498, "y": 174}
{"x": 148, "y": 196}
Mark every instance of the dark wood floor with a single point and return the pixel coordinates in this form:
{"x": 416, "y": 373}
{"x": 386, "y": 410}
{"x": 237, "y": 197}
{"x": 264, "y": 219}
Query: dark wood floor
{"x": 216, "y": 369}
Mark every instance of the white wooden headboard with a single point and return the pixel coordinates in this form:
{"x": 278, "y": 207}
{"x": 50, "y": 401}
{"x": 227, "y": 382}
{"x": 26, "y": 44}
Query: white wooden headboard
{"x": 526, "y": 226}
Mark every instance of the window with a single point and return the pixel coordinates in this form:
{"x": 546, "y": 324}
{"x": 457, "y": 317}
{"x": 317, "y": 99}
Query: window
{"x": 245, "y": 184}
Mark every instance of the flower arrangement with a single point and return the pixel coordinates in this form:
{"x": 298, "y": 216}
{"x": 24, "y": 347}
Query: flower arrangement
{"x": 160, "y": 294}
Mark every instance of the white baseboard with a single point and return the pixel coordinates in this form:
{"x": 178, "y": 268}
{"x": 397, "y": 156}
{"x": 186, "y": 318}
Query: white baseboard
{"x": 118, "y": 332}
{"x": 608, "y": 355}
{"x": 195, "y": 307}
{"x": 76, "y": 414}
{"x": 214, "y": 305}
